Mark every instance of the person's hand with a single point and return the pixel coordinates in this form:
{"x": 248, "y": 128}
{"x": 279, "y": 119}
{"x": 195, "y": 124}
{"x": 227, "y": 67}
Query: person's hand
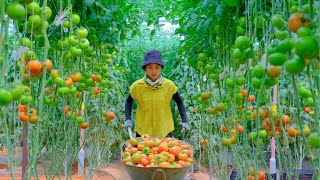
{"x": 128, "y": 123}
{"x": 185, "y": 125}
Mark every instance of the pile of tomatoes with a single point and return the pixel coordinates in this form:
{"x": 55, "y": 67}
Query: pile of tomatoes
{"x": 157, "y": 152}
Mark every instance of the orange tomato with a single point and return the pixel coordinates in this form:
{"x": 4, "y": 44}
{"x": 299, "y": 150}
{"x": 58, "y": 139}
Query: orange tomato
{"x": 204, "y": 141}
{"x": 240, "y": 128}
{"x": 163, "y": 147}
{"x": 174, "y": 151}
{"x": 182, "y": 163}
{"x": 66, "y": 110}
{"x": 251, "y": 98}
{"x": 190, "y": 160}
{"x": 165, "y": 153}
{"x": 224, "y": 129}
{"x": 93, "y": 77}
{"x": 96, "y": 91}
{"x": 182, "y": 156}
{"x": 293, "y": 132}
{"x": 155, "y": 150}
{"x": 297, "y": 20}
{"x": 84, "y": 125}
{"x": 111, "y": 116}
{"x": 164, "y": 164}
{"x": 244, "y": 92}
{"x": 184, "y": 146}
{"x": 140, "y": 147}
{"x": 233, "y": 131}
{"x": 261, "y": 175}
{"x": 23, "y": 117}
{"x": 150, "y": 157}
{"x": 133, "y": 150}
{"x": 48, "y": 65}
{"x": 76, "y": 77}
{"x": 266, "y": 127}
{"x": 144, "y": 162}
{"x": 35, "y": 67}
{"x": 285, "y": 119}
{"x": 171, "y": 158}
{"x": 68, "y": 82}
{"x": 22, "y": 108}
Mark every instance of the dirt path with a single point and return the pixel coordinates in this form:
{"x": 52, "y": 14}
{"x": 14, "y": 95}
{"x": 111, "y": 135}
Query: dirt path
{"x": 114, "y": 171}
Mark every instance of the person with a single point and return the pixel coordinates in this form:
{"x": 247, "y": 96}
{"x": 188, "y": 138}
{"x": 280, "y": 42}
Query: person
{"x": 153, "y": 94}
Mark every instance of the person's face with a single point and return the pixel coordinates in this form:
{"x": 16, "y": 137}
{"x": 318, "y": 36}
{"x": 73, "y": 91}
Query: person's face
{"x": 153, "y": 71}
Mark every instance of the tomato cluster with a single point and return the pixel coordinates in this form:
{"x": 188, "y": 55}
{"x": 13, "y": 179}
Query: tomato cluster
{"x": 157, "y": 152}
{"x": 28, "y": 114}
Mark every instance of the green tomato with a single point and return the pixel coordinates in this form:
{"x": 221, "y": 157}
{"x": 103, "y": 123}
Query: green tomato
{"x": 63, "y": 91}
{"x": 16, "y": 11}
{"x": 277, "y": 59}
{"x": 16, "y": 92}
{"x": 76, "y": 51}
{"x": 75, "y": 19}
{"x": 242, "y": 42}
{"x": 306, "y": 47}
{"x": 281, "y": 34}
{"x": 263, "y": 134}
{"x": 243, "y": 22}
{"x": 304, "y": 31}
{"x": 82, "y": 32}
{"x": 84, "y": 43}
{"x": 5, "y": 97}
{"x": 146, "y": 150}
{"x": 73, "y": 40}
{"x": 47, "y": 12}
{"x": 33, "y": 8}
{"x": 25, "y": 42}
{"x": 34, "y": 21}
{"x": 295, "y": 66}
{"x": 240, "y": 80}
{"x": 252, "y": 136}
{"x": 230, "y": 82}
{"x": 258, "y": 71}
{"x": 79, "y": 119}
{"x": 285, "y": 45}
{"x": 256, "y": 82}
{"x": 277, "y": 21}
{"x": 59, "y": 81}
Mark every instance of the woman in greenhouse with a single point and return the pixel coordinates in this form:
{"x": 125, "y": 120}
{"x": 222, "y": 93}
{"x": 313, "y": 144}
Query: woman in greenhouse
{"x": 153, "y": 94}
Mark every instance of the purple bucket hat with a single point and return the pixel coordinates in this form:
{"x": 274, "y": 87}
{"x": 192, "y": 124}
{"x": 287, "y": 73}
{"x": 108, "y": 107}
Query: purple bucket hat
{"x": 152, "y": 56}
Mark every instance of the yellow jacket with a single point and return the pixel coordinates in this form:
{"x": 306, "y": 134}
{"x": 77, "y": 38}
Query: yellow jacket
{"x": 153, "y": 115}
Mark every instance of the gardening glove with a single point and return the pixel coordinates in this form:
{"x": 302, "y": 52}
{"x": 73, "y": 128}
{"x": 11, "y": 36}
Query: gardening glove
{"x": 185, "y": 126}
{"x": 128, "y": 123}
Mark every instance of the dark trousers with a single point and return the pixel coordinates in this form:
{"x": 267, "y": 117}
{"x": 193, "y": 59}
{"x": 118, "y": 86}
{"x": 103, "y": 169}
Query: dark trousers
{"x": 138, "y": 135}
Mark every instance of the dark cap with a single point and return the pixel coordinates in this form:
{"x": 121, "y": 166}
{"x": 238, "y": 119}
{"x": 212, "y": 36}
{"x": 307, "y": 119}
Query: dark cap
{"x": 152, "y": 56}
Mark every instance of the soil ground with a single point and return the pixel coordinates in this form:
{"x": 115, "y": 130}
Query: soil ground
{"x": 113, "y": 171}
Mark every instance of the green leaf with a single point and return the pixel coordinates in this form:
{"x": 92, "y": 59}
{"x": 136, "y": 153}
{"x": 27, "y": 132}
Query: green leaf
{"x": 152, "y": 33}
{"x": 88, "y": 2}
{"x": 199, "y": 26}
{"x": 93, "y": 16}
{"x": 207, "y": 22}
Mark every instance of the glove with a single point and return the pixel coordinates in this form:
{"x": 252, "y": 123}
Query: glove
{"x": 128, "y": 123}
{"x": 185, "y": 125}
